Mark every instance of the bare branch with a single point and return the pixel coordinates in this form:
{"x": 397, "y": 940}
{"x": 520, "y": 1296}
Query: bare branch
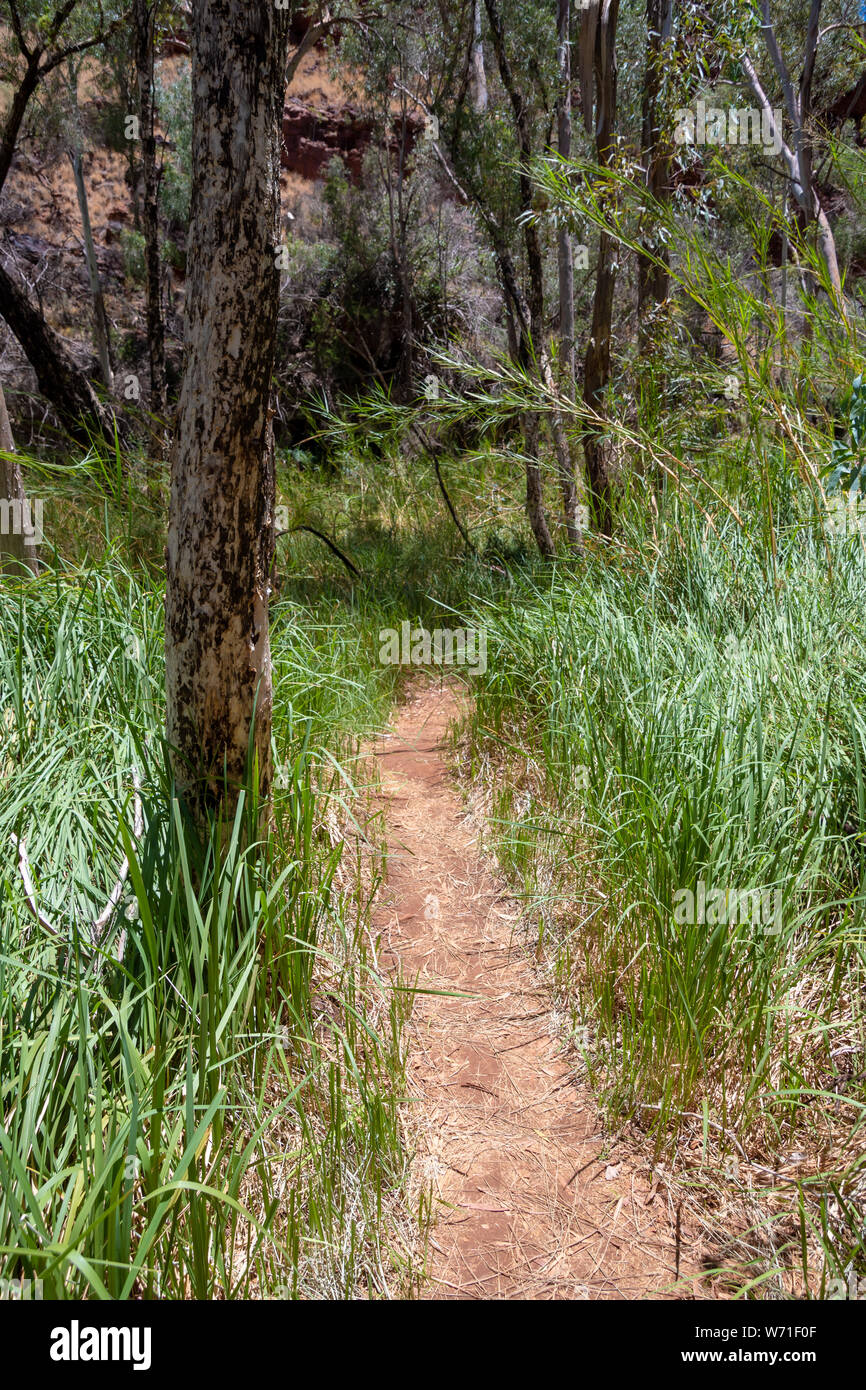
{"x": 29, "y": 890}
{"x": 81, "y": 47}
{"x": 779, "y": 63}
{"x": 19, "y": 31}
{"x": 100, "y": 926}
{"x": 769, "y": 115}
{"x": 809, "y": 60}
{"x": 332, "y": 546}
{"x": 855, "y": 28}
{"x": 314, "y": 33}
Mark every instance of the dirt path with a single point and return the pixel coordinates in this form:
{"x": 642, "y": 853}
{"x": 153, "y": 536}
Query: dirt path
{"x": 511, "y": 1143}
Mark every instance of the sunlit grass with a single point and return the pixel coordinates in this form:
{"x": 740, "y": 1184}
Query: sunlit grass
{"x": 202, "y": 1099}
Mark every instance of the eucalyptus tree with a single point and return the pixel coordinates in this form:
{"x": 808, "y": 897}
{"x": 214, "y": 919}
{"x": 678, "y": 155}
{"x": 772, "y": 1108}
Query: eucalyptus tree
{"x": 75, "y": 150}
{"x": 598, "y": 82}
{"x": 221, "y": 519}
{"x": 36, "y": 44}
{"x": 490, "y": 133}
{"x": 798, "y": 150}
{"x": 518, "y": 94}
{"x": 479, "y": 69}
{"x": 386, "y": 48}
{"x": 656, "y": 149}
{"x": 564, "y": 246}
{"x": 146, "y": 22}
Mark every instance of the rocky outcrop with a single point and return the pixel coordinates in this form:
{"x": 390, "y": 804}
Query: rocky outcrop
{"x": 313, "y": 135}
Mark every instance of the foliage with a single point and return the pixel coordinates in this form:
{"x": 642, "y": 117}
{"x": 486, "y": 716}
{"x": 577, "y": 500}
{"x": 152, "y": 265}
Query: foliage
{"x": 174, "y": 103}
{"x": 184, "y": 1112}
{"x": 849, "y": 454}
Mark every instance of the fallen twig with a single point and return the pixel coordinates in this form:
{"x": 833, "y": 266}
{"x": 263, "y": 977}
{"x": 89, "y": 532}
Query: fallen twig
{"x": 432, "y": 451}
{"x": 29, "y": 891}
{"x": 330, "y": 544}
{"x": 100, "y": 925}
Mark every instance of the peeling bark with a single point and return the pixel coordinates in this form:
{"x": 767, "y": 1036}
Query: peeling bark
{"x": 221, "y": 521}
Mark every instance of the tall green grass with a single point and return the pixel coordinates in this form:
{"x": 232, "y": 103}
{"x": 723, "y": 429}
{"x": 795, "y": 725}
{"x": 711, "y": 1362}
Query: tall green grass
{"x": 674, "y": 714}
{"x": 206, "y": 1105}
{"x": 682, "y": 705}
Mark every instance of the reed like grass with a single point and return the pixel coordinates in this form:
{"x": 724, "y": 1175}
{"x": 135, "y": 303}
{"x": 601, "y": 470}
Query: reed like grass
{"x": 205, "y": 1105}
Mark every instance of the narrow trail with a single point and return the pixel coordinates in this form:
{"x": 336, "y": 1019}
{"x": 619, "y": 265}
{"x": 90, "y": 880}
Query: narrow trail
{"x": 525, "y": 1205}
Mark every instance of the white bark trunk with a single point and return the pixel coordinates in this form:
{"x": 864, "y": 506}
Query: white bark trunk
{"x": 100, "y": 321}
{"x": 221, "y": 523}
{"x": 479, "y": 74}
{"x": 798, "y": 159}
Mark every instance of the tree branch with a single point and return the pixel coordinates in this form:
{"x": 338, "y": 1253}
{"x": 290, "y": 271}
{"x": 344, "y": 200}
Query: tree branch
{"x": 310, "y": 39}
{"x": 779, "y": 62}
{"x": 320, "y": 535}
{"x": 769, "y": 115}
{"x": 19, "y": 30}
{"x": 432, "y": 451}
{"x": 81, "y": 47}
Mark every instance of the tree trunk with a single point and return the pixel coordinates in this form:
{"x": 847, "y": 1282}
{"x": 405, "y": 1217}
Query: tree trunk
{"x": 564, "y": 244}
{"x": 565, "y": 256}
{"x": 535, "y": 489}
{"x": 221, "y": 521}
{"x": 17, "y": 544}
{"x": 520, "y": 346}
{"x": 479, "y": 75}
{"x": 60, "y": 379}
{"x": 565, "y": 466}
{"x": 783, "y": 350}
{"x": 798, "y": 156}
{"x": 41, "y": 57}
{"x": 805, "y": 158}
{"x": 398, "y": 233}
{"x": 9, "y": 139}
{"x": 653, "y": 273}
{"x": 145, "y": 20}
{"x": 596, "y": 371}
{"x": 100, "y": 318}
{"x": 596, "y": 375}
